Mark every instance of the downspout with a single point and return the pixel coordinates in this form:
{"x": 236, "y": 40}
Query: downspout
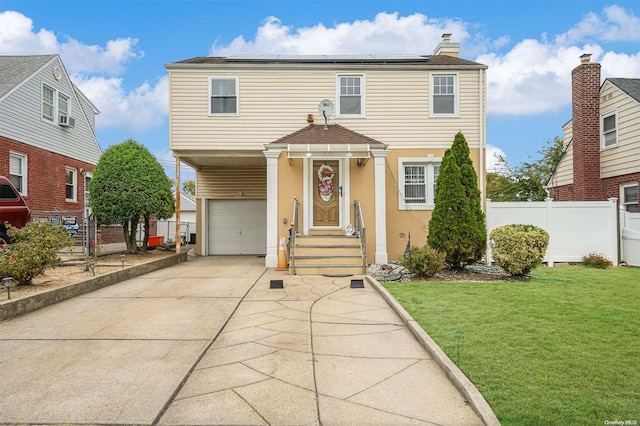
{"x": 483, "y": 138}
{"x": 178, "y": 204}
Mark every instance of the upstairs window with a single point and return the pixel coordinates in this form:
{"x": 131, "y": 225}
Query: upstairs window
{"x": 609, "y": 126}
{"x": 70, "y": 184}
{"x": 350, "y": 96}
{"x": 629, "y": 197}
{"x": 48, "y": 107}
{"x": 418, "y": 182}
{"x": 18, "y": 171}
{"x": 63, "y": 105}
{"x": 444, "y": 92}
{"x": 224, "y": 95}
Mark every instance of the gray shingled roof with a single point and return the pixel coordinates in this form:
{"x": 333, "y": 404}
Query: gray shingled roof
{"x": 15, "y": 69}
{"x": 631, "y": 86}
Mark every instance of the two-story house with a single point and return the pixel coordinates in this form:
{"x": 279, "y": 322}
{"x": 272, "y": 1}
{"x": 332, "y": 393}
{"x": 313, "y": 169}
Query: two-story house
{"x": 602, "y": 140}
{"x": 340, "y": 137}
{"x": 48, "y": 146}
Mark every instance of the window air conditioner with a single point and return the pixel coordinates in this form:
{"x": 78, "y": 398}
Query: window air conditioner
{"x": 66, "y": 121}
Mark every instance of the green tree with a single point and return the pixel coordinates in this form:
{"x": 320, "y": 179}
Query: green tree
{"x": 469, "y": 180}
{"x": 527, "y": 181}
{"x": 129, "y": 185}
{"x": 457, "y": 225}
{"x": 189, "y": 187}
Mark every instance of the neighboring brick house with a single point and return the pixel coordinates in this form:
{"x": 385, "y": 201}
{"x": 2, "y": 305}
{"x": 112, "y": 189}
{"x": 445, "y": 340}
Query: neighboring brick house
{"x": 254, "y": 129}
{"x": 602, "y": 154}
{"x": 48, "y": 146}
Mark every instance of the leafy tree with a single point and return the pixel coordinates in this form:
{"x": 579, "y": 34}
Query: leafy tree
{"x": 527, "y": 181}
{"x": 129, "y": 185}
{"x": 457, "y": 225}
{"x": 189, "y": 187}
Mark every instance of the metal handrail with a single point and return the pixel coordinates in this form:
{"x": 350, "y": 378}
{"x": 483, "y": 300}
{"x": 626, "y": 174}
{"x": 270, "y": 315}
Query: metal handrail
{"x": 293, "y": 232}
{"x": 361, "y": 232}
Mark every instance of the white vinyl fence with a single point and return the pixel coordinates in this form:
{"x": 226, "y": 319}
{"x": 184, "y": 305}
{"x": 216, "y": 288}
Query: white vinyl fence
{"x": 576, "y": 228}
{"x": 630, "y": 238}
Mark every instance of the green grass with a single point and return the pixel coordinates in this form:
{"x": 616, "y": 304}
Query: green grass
{"x": 562, "y": 349}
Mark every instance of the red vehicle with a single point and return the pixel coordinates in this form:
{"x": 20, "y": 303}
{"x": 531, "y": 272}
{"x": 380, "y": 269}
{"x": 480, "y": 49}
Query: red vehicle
{"x": 13, "y": 209}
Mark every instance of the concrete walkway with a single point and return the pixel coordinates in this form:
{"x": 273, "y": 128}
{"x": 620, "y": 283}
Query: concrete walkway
{"x": 208, "y": 342}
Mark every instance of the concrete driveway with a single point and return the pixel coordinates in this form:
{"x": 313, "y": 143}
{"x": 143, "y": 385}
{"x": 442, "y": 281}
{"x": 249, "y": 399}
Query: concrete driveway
{"x": 208, "y": 342}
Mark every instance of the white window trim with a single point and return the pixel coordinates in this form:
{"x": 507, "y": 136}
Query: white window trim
{"x": 75, "y": 184}
{"x": 362, "y": 96}
{"x": 429, "y": 161}
{"x": 456, "y": 94}
{"x": 53, "y": 106}
{"x": 602, "y": 117}
{"x": 223, "y": 114}
{"x": 622, "y": 188}
{"x": 25, "y": 168}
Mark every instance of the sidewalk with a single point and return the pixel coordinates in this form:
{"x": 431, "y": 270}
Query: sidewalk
{"x": 209, "y": 342}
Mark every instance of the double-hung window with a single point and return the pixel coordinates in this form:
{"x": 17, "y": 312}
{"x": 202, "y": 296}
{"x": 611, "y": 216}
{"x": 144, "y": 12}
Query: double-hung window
{"x": 350, "y": 96}
{"x": 223, "y": 93}
{"x": 18, "y": 171}
{"x": 609, "y": 126}
{"x": 71, "y": 184}
{"x": 418, "y": 178}
{"x": 48, "y": 106}
{"x": 444, "y": 95}
{"x": 629, "y": 197}
{"x": 63, "y": 107}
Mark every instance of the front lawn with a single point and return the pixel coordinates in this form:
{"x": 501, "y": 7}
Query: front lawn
{"x": 562, "y": 349}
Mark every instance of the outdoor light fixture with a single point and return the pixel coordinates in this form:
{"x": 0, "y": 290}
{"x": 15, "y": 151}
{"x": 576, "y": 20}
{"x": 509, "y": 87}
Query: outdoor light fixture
{"x": 8, "y": 282}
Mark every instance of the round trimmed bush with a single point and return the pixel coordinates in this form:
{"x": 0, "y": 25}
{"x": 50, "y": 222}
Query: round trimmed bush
{"x": 424, "y": 261}
{"x": 518, "y": 248}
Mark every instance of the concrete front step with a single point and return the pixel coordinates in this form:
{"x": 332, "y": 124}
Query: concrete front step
{"x": 329, "y": 259}
{"x": 327, "y": 255}
{"x": 328, "y": 270}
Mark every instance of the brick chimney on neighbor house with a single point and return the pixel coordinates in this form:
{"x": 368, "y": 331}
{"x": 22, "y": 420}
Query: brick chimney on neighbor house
{"x": 585, "y": 105}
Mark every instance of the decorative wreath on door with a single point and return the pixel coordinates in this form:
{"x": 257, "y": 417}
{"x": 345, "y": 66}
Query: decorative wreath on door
{"x": 325, "y": 182}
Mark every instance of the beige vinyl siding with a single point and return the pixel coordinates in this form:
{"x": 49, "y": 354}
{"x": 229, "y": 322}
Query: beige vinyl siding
{"x": 625, "y": 157}
{"x": 274, "y": 103}
{"x": 564, "y": 171}
{"x": 229, "y": 182}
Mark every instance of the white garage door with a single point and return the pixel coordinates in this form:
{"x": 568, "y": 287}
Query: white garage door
{"x": 237, "y": 227}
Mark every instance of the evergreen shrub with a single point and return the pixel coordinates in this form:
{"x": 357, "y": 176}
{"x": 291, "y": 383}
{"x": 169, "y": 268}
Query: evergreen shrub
{"x": 35, "y": 247}
{"x": 424, "y": 261}
{"x": 518, "y": 248}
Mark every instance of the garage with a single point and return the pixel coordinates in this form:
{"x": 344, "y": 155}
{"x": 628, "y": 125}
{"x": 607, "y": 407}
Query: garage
{"x": 237, "y": 227}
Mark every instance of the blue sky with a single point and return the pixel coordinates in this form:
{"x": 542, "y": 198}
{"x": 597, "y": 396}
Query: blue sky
{"x": 115, "y": 51}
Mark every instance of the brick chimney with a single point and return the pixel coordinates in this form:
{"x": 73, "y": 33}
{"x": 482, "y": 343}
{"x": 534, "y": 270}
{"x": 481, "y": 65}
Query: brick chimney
{"x": 585, "y": 105}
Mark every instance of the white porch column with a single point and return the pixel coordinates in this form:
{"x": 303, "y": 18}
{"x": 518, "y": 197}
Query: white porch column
{"x": 271, "y": 259}
{"x": 379, "y": 158}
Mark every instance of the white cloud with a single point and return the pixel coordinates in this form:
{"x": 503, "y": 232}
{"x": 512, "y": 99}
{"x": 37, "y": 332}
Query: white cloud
{"x": 387, "y": 33}
{"x": 616, "y": 24}
{"x": 491, "y": 161}
{"x": 137, "y": 110}
{"x": 535, "y": 75}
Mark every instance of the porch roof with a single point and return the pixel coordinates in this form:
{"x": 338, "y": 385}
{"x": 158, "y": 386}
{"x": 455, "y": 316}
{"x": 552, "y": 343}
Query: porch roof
{"x": 333, "y": 140}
